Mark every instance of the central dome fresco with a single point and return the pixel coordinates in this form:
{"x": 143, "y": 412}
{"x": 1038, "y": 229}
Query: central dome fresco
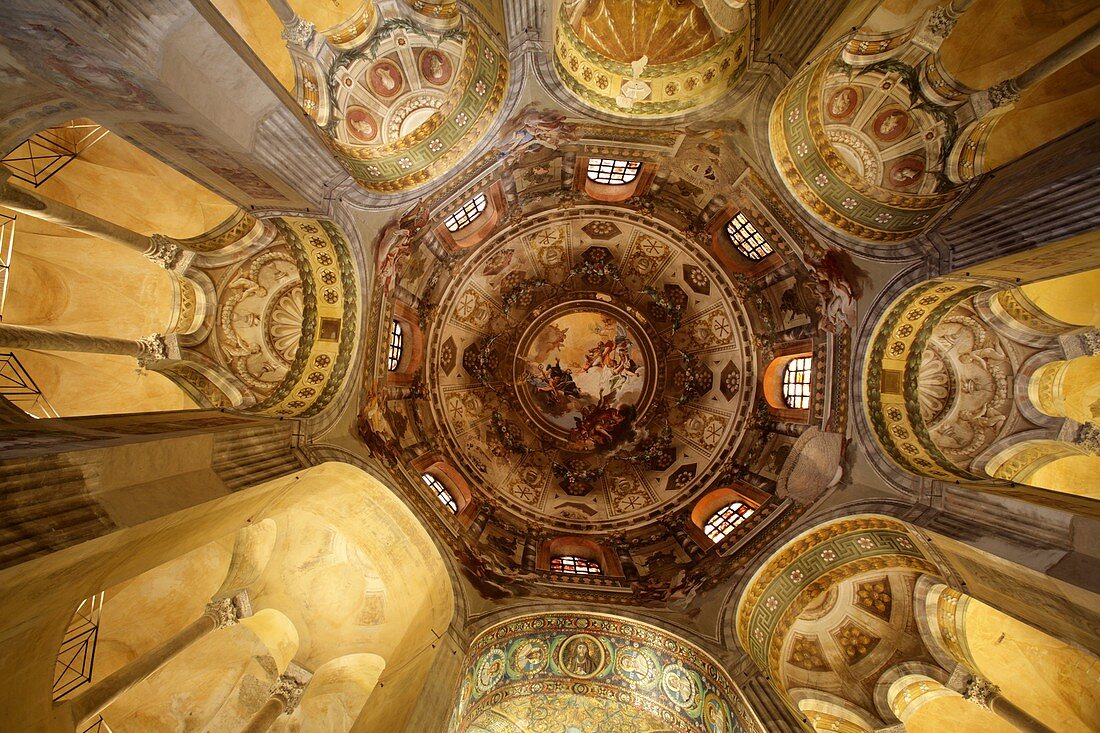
{"x": 583, "y": 374}
{"x": 572, "y": 368}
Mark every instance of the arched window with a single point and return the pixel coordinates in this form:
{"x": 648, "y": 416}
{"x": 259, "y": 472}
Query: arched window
{"x": 747, "y": 239}
{"x": 723, "y": 521}
{"x": 614, "y": 172}
{"x": 441, "y": 492}
{"x": 573, "y": 565}
{"x": 397, "y": 345}
{"x": 796, "y": 382}
{"x": 466, "y": 213}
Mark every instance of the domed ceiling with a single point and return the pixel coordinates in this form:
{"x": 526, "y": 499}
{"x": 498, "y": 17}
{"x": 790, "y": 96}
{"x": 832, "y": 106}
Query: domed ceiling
{"x": 585, "y": 367}
{"x": 591, "y": 366}
{"x": 406, "y": 99}
{"x": 650, "y": 59}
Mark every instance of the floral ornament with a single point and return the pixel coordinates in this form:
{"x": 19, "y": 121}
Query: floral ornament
{"x": 828, "y": 555}
{"x": 374, "y": 170}
{"x": 404, "y": 163}
{"x": 865, "y": 543}
{"x": 516, "y": 294}
{"x": 794, "y": 115}
{"x": 883, "y": 217}
{"x": 796, "y": 576}
{"x": 479, "y": 88}
{"x": 849, "y": 203}
{"x": 461, "y": 119}
{"x": 904, "y": 543}
{"x": 509, "y": 436}
{"x": 669, "y": 310}
{"x": 802, "y": 149}
{"x": 435, "y": 145}
{"x": 758, "y": 635}
{"x": 821, "y": 179}
{"x": 771, "y": 603}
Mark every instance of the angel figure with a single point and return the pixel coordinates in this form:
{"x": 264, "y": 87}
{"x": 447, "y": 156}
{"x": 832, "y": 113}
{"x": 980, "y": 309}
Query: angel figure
{"x": 533, "y": 128}
{"x": 395, "y": 244}
{"x": 838, "y": 283}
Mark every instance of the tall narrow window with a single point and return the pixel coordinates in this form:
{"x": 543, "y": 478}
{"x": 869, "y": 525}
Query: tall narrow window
{"x": 747, "y": 239}
{"x": 572, "y": 565}
{"x": 466, "y": 213}
{"x": 441, "y": 492}
{"x": 723, "y": 521}
{"x": 397, "y": 345}
{"x": 614, "y": 172}
{"x": 796, "y": 382}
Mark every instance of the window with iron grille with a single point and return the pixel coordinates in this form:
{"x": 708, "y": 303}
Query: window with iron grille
{"x": 397, "y": 345}
{"x": 614, "y": 172}
{"x": 572, "y": 565}
{"x": 441, "y": 492}
{"x": 796, "y": 382}
{"x": 726, "y": 519}
{"x": 466, "y": 213}
{"x": 747, "y": 239}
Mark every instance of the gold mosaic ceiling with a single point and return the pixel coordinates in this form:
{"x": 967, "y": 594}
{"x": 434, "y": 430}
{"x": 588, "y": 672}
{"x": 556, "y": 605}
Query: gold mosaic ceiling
{"x": 662, "y": 31}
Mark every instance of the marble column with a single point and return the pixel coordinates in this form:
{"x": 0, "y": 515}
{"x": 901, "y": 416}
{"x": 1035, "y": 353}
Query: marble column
{"x": 284, "y": 699}
{"x": 1009, "y": 90}
{"x": 147, "y": 350}
{"x": 162, "y": 250}
{"x": 985, "y": 694}
{"x": 218, "y": 615}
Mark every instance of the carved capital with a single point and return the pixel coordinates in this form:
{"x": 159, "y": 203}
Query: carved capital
{"x": 1004, "y": 93}
{"x": 298, "y": 32}
{"x": 981, "y": 692}
{"x": 223, "y": 612}
{"x": 152, "y": 348}
{"x": 942, "y": 21}
{"x": 164, "y": 251}
{"x": 289, "y": 689}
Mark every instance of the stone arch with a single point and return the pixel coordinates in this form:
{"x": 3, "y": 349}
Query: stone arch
{"x": 803, "y": 584}
{"x": 646, "y": 676}
{"x": 875, "y": 139}
{"x": 963, "y": 373}
{"x": 365, "y": 513}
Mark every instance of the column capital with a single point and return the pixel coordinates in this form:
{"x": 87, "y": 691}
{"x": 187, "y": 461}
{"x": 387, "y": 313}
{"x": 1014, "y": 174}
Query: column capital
{"x": 156, "y": 347}
{"x": 164, "y": 251}
{"x": 289, "y": 689}
{"x": 981, "y": 692}
{"x": 298, "y": 31}
{"x": 223, "y": 612}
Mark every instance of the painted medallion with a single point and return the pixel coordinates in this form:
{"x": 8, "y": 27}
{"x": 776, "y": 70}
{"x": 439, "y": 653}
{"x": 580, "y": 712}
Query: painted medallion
{"x": 530, "y": 657}
{"x": 638, "y": 667}
{"x": 584, "y": 376}
{"x": 361, "y": 124}
{"x": 489, "y": 670}
{"x": 385, "y": 79}
{"x": 842, "y": 103}
{"x": 890, "y": 124}
{"x": 907, "y": 172}
{"x": 581, "y": 656}
{"x": 680, "y": 686}
{"x": 435, "y": 67}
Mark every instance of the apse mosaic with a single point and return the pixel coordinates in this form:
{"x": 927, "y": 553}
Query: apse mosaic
{"x": 548, "y": 672}
{"x": 592, "y": 368}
